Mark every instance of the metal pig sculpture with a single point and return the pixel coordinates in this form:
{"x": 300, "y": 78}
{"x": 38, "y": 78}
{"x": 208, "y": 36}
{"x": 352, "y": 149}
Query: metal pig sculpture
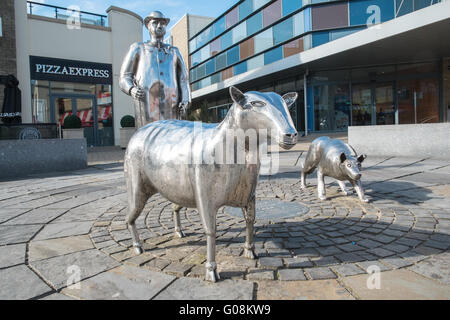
{"x": 335, "y": 159}
{"x": 158, "y": 159}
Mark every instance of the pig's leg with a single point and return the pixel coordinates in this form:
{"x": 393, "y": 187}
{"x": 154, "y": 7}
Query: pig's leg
{"x": 342, "y": 186}
{"x": 360, "y": 191}
{"x": 249, "y": 215}
{"x": 321, "y": 186}
{"x": 176, "y": 220}
{"x": 309, "y": 165}
{"x": 137, "y": 197}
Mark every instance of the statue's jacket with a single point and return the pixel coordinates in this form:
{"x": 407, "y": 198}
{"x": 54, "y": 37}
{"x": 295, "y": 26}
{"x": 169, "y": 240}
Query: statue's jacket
{"x": 161, "y": 72}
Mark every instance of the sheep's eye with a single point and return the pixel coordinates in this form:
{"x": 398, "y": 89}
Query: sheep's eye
{"x": 257, "y": 104}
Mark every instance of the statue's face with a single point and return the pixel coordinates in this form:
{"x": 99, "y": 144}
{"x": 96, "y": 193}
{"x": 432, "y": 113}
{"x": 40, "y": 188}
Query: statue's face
{"x": 157, "y": 28}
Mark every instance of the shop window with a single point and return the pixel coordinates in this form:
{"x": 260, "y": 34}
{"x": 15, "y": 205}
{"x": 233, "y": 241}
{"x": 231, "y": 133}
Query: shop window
{"x": 283, "y": 31}
{"x": 254, "y": 23}
{"x": 41, "y": 101}
{"x": 369, "y": 12}
{"x": 272, "y": 13}
{"x": 210, "y": 66}
{"x": 245, "y": 8}
{"x": 263, "y": 40}
{"x": 320, "y": 38}
{"x": 247, "y": 48}
{"x": 214, "y": 47}
{"x": 240, "y": 68}
{"x": 299, "y": 24}
{"x": 227, "y": 73}
{"x": 404, "y": 7}
{"x": 255, "y": 62}
{"x": 226, "y": 40}
{"x": 221, "y": 61}
{"x": 219, "y": 26}
{"x": 232, "y": 17}
{"x": 273, "y": 55}
{"x": 290, "y": 6}
{"x": 239, "y": 32}
{"x": 233, "y": 55}
{"x": 293, "y": 47}
{"x": 330, "y": 16}
{"x": 331, "y": 107}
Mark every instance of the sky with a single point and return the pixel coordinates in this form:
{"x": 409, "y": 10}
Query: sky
{"x": 174, "y": 9}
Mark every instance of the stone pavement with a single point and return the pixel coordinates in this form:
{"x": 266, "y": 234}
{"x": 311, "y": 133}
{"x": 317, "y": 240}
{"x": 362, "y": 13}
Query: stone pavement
{"x": 58, "y": 229}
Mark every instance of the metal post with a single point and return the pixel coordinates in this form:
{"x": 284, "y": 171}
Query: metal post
{"x": 56, "y": 13}
{"x": 31, "y": 8}
{"x": 305, "y": 90}
{"x": 415, "y": 107}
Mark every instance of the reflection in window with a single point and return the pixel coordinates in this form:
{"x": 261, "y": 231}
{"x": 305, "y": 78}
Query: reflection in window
{"x": 331, "y": 107}
{"x": 263, "y": 40}
{"x": 272, "y": 13}
{"x": 283, "y": 31}
{"x": 254, "y": 23}
{"x": 273, "y": 55}
{"x": 196, "y": 58}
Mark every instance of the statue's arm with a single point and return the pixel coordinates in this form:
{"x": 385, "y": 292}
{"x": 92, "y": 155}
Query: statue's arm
{"x": 128, "y": 69}
{"x": 183, "y": 80}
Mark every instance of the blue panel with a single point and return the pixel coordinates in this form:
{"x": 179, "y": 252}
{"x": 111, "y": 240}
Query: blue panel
{"x": 273, "y": 55}
{"x": 221, "y": 61}
{"x": 211, "y": 66}
{"x": 420, "y": 4}
{"x": 254, "y": 24}
{"x": 319, "y": 38}
{"x": 307, "y": 18}
{"x": 283, "y": 31}
{"x": 219, "y": 26}
{"x": 195, "y": 58}
{"x": 216, "y": 78}
{"x": 290, "y": 6}
{"x": 245, "y": 8}
{"x": 240, "y": 68}
{"x": 226, "y": 40}
{"x": 404, "y": 7}
{"x": 233, "y": 55}
{"x": 368, "y": 11}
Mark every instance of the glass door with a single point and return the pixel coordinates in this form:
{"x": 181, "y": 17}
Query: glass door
{"x": 384, "y": 104}
{"x": 362, "y": 105}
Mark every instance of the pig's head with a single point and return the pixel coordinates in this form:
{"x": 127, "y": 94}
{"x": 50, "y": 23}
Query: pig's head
{"x": 351, "y": 166}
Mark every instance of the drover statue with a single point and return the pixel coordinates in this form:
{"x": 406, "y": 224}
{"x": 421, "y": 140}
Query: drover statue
{"x": 155, "y": 75}
{"x": 335, "y": 159}
{"x": 160, "y": 158}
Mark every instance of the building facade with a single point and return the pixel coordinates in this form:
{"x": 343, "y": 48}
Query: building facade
{"x": 353, "y": 62}
{"x": 68, "y": 62}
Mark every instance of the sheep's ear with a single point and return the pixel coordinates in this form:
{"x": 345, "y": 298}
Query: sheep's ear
{"x": 290, "y": 98}
{"x": 237, "y": 96}
{"x": 343, "y": 157}
{"x": 361, "y": 158}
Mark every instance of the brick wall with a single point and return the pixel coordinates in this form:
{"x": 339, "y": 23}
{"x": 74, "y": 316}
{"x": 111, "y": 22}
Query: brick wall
{"x": 7, "y": 42}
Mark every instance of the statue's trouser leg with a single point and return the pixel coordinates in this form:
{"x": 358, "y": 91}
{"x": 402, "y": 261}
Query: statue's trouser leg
{"x": 138, "y": 114}
{"x": 176, "y": 220}
{"x": 342, "y": 186}
{"x": 249, "y": 216}
{"x": 136, "y": 202}
{"x": 321, "y": 186}
{"x": 360, "y": 191}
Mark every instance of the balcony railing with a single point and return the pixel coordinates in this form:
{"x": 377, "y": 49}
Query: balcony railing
{"x": 61, "y": 13}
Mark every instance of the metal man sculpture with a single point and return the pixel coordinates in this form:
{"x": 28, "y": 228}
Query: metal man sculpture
{"x": 335, "y": 159}
{"x": 154, "y": 75}
{"x": 159, "y": 159}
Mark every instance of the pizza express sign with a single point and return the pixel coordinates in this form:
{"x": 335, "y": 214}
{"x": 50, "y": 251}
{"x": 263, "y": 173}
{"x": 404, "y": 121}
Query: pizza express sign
{"x": 51, "y": 69}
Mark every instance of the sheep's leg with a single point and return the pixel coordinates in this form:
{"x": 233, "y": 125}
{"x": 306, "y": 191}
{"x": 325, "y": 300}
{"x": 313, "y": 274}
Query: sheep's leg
{"x": 137, "y": 197}
{"x": 249, "y": 215}
{"x": 176, "y": 220}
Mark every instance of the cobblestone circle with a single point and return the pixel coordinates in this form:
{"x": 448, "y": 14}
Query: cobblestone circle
{"x": 334, "y": 238}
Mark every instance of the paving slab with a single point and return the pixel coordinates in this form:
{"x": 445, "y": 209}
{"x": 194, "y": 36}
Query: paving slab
{"x": 56, "y": 270}
{"x": 17, "y": 234}
{"x": 37, "y": 216}
{"x": 7, "y": 214}
{"x": 122, "y": 283}
{"x": 20, "y": 283}
{"x": 12, "y": 255}
{"x": 59, "y": 230}
{"x": 398, "y": 285}
{"x": 437, "y": 268}
{"x": 44, "y": 249}
{"x": 302, "y": 290}
{"x": 197, "y": 289}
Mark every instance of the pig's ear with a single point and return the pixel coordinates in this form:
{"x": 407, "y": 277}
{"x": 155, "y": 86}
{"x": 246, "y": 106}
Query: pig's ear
{"x": 343, "y": 157}
{"x": 361, "y": 158}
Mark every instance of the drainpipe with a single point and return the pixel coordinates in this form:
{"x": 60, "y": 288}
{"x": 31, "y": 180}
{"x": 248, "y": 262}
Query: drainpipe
{"x": 305, "y": 90}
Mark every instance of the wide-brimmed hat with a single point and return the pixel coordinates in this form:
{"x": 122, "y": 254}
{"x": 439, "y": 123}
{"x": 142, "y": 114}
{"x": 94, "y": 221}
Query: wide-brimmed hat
{"x": 156, "y": 15}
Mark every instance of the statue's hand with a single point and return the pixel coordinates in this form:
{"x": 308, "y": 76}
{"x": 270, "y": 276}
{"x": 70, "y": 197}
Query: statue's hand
{"x": 137, "y": 93}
